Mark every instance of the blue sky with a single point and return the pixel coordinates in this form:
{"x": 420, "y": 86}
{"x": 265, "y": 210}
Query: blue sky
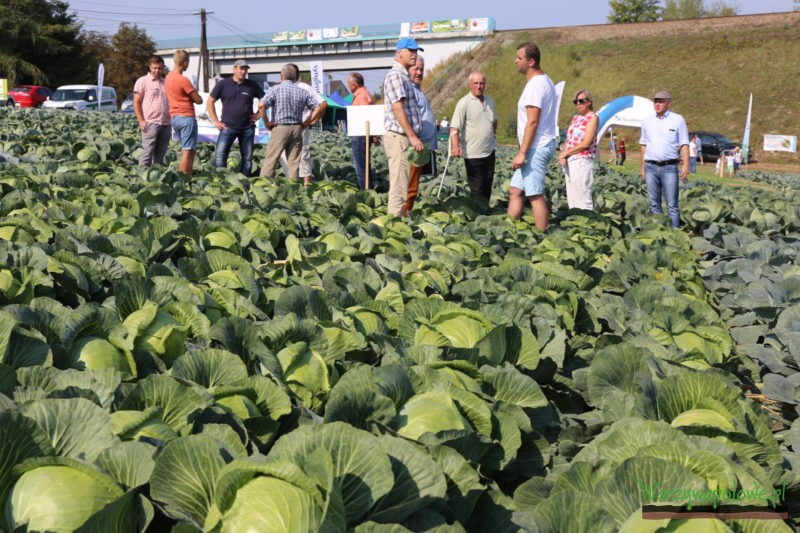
{"x": 250, "y": 16}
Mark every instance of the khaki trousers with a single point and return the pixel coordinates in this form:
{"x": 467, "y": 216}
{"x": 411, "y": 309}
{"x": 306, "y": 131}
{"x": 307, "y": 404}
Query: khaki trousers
{"x": 395, "y": 146}
{"x": 289, "y": 138}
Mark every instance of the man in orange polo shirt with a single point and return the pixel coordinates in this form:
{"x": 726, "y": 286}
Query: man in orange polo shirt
{"x": 361, "y": 96}
{"x": 182, "y": 95}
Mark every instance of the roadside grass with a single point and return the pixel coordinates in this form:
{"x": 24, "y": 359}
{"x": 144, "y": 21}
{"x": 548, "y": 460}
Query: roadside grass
{"x": 710, "y": 76}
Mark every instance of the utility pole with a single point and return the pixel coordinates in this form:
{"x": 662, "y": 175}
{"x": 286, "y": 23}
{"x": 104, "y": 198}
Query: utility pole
{"x": 203, "y": 64}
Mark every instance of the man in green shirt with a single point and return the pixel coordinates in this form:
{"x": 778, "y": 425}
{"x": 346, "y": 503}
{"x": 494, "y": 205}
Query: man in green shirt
{"x": 472, "y": 136}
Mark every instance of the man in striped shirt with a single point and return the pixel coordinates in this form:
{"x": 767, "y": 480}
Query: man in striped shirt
{"x": 152, "y": 111}
{"x": 402, "y": 122}
{"x": 288, "y": 102}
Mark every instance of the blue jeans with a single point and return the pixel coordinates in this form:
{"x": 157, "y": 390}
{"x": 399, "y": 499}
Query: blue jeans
{"x": 663, "y": 180}
{"x": 692, "y": 165}
{"x": 225, "y": 140}
{"x": 359, "y": 156}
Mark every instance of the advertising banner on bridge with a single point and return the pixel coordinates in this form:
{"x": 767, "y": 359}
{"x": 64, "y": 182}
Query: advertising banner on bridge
{"x": 438, "y": 26}
{"x": 314, "y": 35}
{"x": 420, "y": 27}
{"x": 780, "y": 143}
{"x": 481, "y": 24}
{"x": 280, "y": 36}
{"x": 330, "y": 33}
{"x": 299, "y": 35}
{"x": 347, "y": 33}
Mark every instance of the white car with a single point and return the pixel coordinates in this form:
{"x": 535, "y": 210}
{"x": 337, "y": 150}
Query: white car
{"x": 82, "y": 98}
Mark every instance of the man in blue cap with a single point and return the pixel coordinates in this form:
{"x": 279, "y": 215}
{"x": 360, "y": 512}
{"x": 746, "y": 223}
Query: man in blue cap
{"x": 402, "y": 122}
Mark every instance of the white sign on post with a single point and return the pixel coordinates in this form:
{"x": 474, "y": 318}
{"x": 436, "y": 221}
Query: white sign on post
{"x": 101, "y": 74}
{"x": 359, "y": 115}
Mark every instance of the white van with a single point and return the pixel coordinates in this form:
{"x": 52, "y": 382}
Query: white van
{"x": 82, "y": 98}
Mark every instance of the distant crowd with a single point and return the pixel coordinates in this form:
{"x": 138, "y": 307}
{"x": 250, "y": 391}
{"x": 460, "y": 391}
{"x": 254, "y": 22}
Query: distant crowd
{"x": 409, "y": 140}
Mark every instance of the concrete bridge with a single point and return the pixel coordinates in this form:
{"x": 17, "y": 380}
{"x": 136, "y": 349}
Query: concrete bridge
{"x": 339, "y": 49}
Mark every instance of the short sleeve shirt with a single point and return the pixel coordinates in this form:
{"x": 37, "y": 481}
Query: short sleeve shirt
{"x": 178, "y": 88}
{"x": 664, "y": 136}
{"x": 474, "y": 121}
{"x": 427, "y": 132}
{"x": 539, "y": 92}
{"x": 237, "y": 101}
{"x": 397, "y": 86}
{"x": 317, "y": 97}
{"x": 289, "y": 102}
{"x": 155, "y": 106}
{"x": 577, "y": 133}
{"x": 362, "y": 97}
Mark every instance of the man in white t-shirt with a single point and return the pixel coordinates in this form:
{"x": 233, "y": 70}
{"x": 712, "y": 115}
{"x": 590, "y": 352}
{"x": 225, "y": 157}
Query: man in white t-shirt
{"x": 536, "y": 132}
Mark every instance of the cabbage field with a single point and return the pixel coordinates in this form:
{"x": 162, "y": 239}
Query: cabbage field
{"x": 211, "y": 353}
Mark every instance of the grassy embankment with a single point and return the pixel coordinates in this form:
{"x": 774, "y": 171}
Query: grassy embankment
{"x": 710, "y": 75}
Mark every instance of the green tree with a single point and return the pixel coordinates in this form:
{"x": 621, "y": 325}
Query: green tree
{"x": 719, "y": 8}
{"x": 683, "y": 9}
{"x": 39, "y": 41}
{"x": 95, "y": 49}
{"x": 131, "y": 47}
{"x": 695, "y": 9}
{"x": 633, "y": 11}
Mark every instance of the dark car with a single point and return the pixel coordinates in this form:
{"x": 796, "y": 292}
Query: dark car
{"x": 127, "y": 105}
{"x": 713, "y": 144}
{"x": 29, "y": 95}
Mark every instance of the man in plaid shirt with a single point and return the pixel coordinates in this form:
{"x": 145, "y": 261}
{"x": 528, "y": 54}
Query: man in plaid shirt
{"x": 402, "y": 122}
{"x": 288, "y": 102}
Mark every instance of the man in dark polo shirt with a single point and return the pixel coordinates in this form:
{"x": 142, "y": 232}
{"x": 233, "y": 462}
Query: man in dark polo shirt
{"x": 238, "y": 119}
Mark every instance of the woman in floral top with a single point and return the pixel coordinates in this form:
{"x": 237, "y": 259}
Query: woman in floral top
{"x": 579, "y": 151}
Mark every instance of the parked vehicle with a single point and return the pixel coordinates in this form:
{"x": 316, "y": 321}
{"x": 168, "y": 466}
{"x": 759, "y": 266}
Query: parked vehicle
{"x": 82, "y": 98}
{"x": 713, "y": 144}
{"x": 6, "y": 100}
{"x": 30, "y": 95}
{"x": 127, "y": 105}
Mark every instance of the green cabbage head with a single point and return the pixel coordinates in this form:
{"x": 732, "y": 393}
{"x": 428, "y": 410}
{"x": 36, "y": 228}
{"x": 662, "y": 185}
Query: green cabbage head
{"x": 157, "y": 332}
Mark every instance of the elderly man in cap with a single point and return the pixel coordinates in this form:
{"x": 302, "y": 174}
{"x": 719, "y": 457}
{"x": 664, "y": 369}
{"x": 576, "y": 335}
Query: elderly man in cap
{"x": 238, "y": 119}
{"x": 665, "y": 145}
{"x": 402, "y": 122}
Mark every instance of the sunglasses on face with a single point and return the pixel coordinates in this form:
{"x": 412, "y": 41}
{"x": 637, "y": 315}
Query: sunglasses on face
{"x": 580, "y": 101}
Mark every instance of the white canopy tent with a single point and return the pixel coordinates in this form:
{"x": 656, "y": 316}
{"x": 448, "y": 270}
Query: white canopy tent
{"x": 624, "y": 111}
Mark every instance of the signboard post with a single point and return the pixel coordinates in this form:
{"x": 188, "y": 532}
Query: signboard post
{"x": 365, "y": 120}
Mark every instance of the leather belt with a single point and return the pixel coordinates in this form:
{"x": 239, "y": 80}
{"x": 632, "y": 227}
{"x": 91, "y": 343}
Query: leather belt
{"x": 663, "y": 163}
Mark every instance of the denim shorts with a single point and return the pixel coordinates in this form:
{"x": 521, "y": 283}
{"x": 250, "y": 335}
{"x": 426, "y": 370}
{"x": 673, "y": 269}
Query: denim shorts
{"x": 530, "y": 177}
{"x": 186, "y": 130}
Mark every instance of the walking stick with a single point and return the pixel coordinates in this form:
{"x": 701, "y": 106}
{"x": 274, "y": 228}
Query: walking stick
{"x": 444, "y": 173}
{"x": 366, "y": 157}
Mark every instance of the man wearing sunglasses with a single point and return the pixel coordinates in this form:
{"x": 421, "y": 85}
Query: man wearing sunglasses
{"x": 665, "y": 145}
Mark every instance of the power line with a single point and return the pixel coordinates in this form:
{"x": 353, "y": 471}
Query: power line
{"x": 116, "y": 6}
{"x": 125, "y": 13}
{"x": 236, "y": 31}
{"x": 118, "y": 21}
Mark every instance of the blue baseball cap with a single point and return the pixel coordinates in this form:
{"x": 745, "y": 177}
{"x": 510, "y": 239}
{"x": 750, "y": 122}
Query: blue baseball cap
{"x": 408, "y": 42}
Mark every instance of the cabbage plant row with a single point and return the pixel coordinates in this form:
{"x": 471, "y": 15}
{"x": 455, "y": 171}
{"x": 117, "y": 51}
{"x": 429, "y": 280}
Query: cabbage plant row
{"x": 221, "y": 354}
